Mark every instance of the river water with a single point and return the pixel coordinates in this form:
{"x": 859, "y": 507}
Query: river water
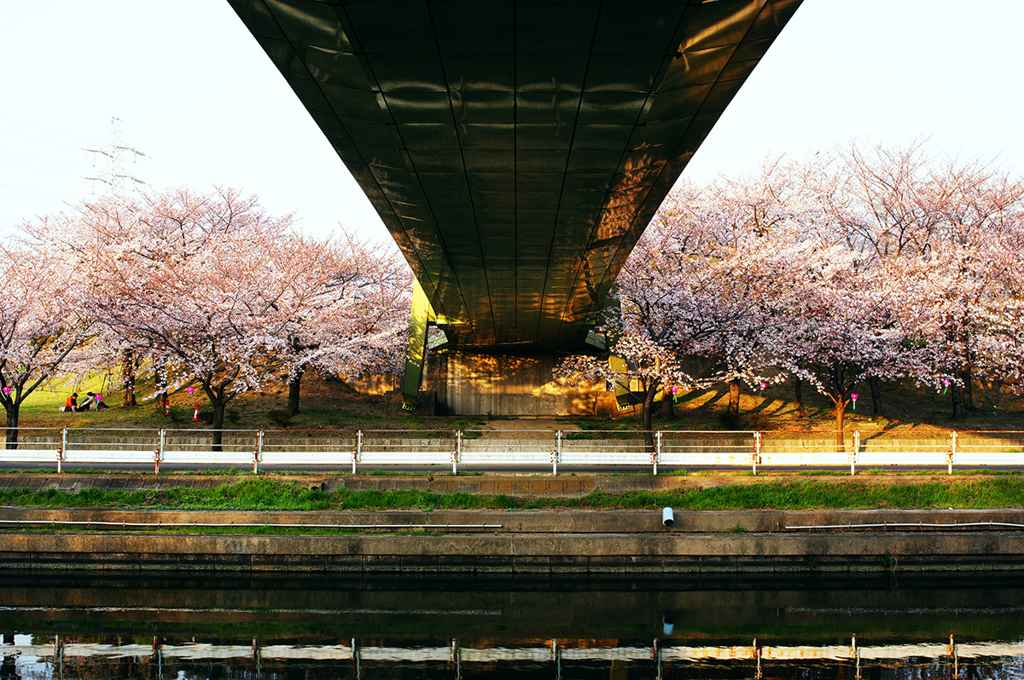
{"x": 877, "y": 627}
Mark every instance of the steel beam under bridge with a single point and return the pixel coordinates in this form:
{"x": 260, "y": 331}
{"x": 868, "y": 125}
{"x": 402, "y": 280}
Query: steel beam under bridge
{"x": 515, "y": 150}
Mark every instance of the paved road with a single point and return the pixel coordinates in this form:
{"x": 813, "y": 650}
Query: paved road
{"x": 524, "y": 469}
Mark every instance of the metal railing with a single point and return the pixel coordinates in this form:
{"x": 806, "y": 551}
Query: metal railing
{"x": 509, "y": 448}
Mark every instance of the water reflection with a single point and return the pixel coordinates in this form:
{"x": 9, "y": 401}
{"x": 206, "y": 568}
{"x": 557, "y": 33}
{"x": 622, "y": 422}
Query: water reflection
{"x": 853, "y": 629}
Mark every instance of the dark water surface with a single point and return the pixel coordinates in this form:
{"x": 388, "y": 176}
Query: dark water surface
{"x": 877, "y": 627}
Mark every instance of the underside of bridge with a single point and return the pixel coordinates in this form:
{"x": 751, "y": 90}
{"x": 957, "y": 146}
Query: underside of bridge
{"x": 515, "y": 150}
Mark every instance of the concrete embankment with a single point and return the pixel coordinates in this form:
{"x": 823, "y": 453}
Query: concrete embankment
{"x": 605, "y": 543}
{"x": 602, "y": 543}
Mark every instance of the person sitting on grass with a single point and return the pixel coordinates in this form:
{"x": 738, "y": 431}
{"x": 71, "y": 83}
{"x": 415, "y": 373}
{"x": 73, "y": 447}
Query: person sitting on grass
{"x": 87, "y": 404}
{"x": 71, "y": 404}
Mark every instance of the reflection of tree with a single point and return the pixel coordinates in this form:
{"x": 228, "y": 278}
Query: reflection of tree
{"x": 7, "y": 669}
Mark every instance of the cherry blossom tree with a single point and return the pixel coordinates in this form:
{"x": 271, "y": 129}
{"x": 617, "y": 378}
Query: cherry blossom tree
{"x": 849, "y": 325}
{"x": 776, "y": 274}
{"x": 222, "y": 293}
{"x": 197, "y": 279}
{"x": 703, "y": 281}
{"x": 951, "y": 216}
{"x": 346, "y": 301}
{"x": 42, "y": 327}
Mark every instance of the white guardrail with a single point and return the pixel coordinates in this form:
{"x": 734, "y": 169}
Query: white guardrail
{"x": 508, "y": 448}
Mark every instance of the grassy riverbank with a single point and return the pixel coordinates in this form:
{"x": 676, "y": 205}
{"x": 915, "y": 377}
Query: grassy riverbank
{"x": 1005, "y": 491}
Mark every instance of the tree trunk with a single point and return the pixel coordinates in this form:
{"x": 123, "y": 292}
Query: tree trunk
{"x": 294, "y": 385}
{"x": 734, "y": 398}
{"x": 798, "y": 389}
{"x": 128, "y": 377}
{"x": 667, "y": 410}
{"x": 957, "y": 397}
{"x": 840, "y": 420}
{"x": 161, "y": 389}
{"x": 645, "y": 419}
{"x": 12, "y": 423}
{"x": 968, "y": 392}
{"x": 874, "y": 384}
{"x": 219, "y": 406}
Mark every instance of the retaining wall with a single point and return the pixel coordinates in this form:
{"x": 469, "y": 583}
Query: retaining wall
{"x": 510, "y": 554}
{"x": 599, "y": 543}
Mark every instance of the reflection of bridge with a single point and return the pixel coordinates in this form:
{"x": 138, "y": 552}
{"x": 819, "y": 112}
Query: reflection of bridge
{"x": 515, "y": 151}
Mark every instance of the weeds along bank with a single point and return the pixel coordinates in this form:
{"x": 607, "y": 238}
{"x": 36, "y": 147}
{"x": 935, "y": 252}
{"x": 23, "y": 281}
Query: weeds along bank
{"x": 500, "y": 493}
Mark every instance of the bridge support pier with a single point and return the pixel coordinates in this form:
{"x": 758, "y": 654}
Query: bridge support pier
{"x": 422, "y": 314}
{"x": 468, "y": 383}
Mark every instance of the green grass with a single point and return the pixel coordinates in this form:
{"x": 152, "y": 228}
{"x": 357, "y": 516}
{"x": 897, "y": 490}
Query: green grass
{"x": 266, "y": 494}
{"x": 327, "y": 403}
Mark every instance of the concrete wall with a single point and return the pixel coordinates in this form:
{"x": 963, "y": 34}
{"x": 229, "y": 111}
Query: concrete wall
{"x": 600, "y": 543}
{"x": 534, "y": 522}
{"x": 510, "y": 554}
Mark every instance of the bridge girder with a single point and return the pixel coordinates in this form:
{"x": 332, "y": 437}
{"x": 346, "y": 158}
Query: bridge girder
{"x": 515, "y": 150}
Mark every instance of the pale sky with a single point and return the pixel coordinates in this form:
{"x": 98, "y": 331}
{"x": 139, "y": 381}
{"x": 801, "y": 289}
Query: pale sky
{"x": 195, "y": 93}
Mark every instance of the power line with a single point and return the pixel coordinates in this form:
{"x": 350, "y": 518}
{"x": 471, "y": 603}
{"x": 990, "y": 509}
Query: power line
{"x": 51, "y": 172}
{"x": 40, "y": 160}
{"x": 35, "y": 191}
{"x": 114, "y": 173}
{"x": 35, "y": 127}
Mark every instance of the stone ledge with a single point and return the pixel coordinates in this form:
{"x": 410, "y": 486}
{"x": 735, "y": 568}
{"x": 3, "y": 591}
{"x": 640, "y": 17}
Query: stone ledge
{"x": 551, "y": 554}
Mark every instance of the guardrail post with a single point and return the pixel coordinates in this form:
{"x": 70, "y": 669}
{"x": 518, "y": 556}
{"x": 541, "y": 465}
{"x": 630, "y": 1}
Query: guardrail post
{"x": 757, "y": 446}
{"x": 657, "y": 451}
{"x": 457, "y": 452}
{"x": 63, "y": 448}
{"x": 952, "y": 450}
{"x": 359, "y": 449}
{"x": 557, "y": 453}
{"x": 258, "y": 453}
{"x": 854, "y": 452}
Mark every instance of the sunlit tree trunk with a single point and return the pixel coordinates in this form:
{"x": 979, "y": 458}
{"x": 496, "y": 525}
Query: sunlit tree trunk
{"x": 798, "y": 390}
{"x": 734, "y": 398}
{"x": 840, "y": 405}
{"x": 668, "y": 412}
{"x": 645, "y": 418}
{"x": 128, "y": 377}
{"x": 161, "y": 388}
